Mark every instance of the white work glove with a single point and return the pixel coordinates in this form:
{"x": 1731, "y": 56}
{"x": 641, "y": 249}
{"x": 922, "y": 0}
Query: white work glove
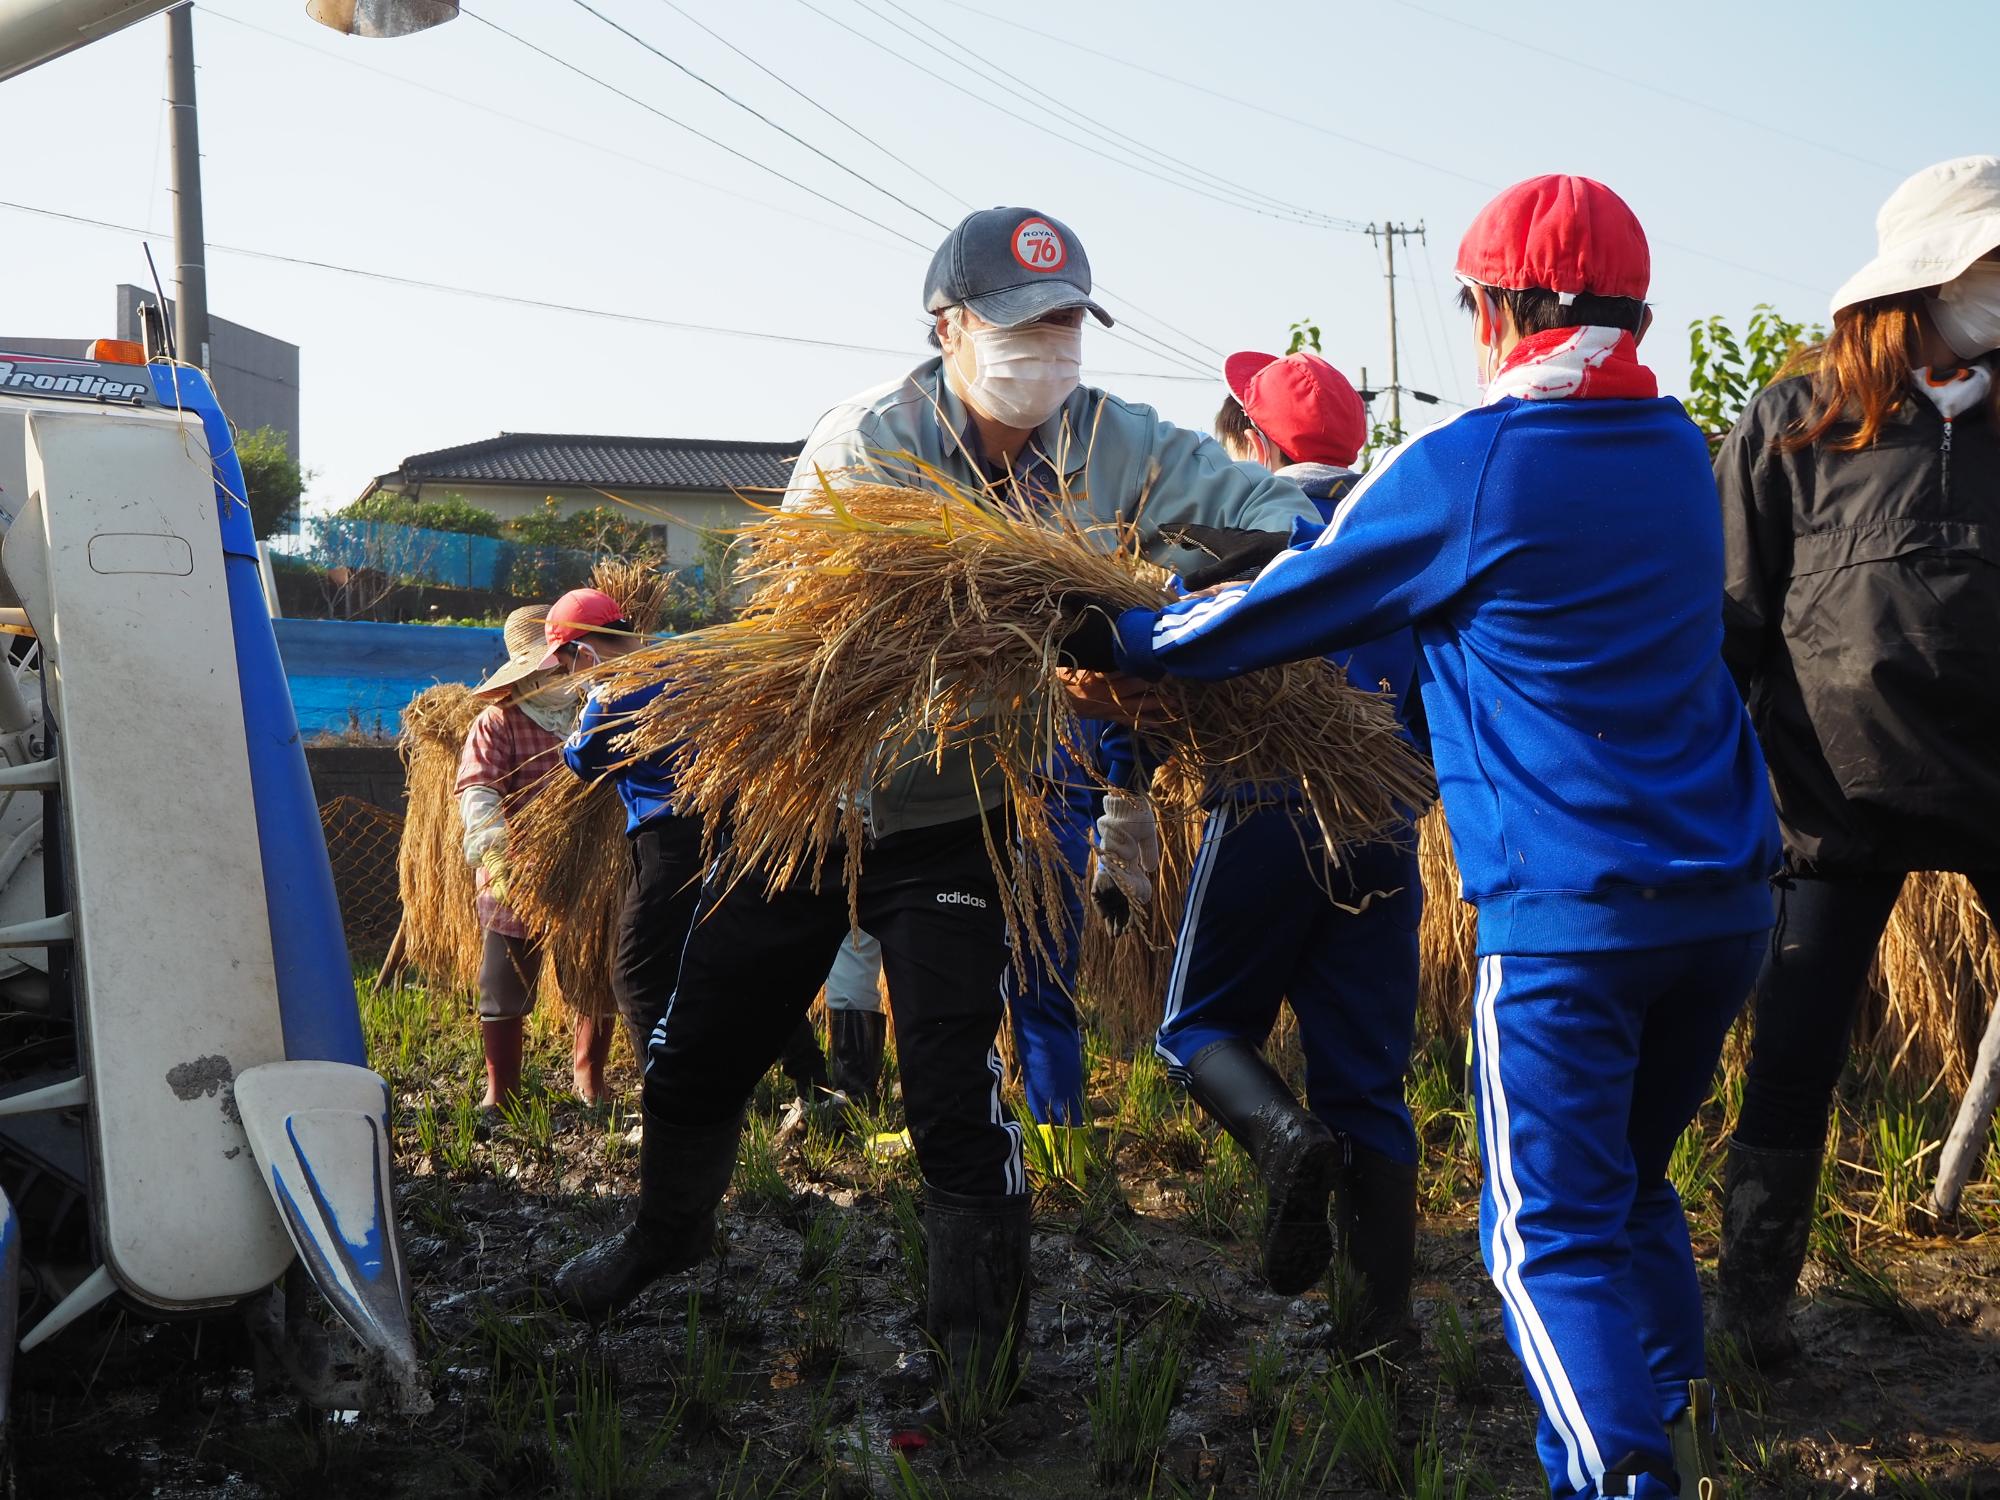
{"x": 1128, "y": 852}
{"x": 485, "y": 829}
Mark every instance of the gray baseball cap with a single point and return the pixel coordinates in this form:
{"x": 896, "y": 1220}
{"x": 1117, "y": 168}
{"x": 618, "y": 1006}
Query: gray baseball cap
{"x": 1011, "y": 266}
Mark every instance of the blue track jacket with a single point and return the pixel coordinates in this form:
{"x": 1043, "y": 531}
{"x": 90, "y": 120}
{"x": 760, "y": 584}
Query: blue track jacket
{"x": 1561, "y": 564}
{"x": 644, "y": 786}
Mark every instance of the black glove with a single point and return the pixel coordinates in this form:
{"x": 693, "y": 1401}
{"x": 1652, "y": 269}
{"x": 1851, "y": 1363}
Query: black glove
{"x": 1237, "y": 553}
{"x": 1091, "y": 641}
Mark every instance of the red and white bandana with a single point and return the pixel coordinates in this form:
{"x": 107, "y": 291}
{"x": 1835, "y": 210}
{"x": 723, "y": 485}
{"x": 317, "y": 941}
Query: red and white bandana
{"x": 1574, "y": 364}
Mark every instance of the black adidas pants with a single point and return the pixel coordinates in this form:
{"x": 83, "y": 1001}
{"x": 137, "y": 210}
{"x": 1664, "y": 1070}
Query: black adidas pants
{"x": 754, "y": 962}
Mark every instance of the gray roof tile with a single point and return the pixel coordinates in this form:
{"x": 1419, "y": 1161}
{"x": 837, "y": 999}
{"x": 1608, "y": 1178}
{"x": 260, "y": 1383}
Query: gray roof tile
{"x": 533, "y": 458}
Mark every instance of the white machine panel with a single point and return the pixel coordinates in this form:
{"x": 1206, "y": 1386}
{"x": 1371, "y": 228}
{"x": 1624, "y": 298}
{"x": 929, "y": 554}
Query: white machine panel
{"x": 177, "y": 992}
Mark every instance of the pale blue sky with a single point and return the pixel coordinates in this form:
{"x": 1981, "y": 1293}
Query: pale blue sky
{"x": 1754, "y": 140}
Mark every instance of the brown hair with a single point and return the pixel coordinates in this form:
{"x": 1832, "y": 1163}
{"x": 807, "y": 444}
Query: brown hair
{"x": 1860, "y": 373}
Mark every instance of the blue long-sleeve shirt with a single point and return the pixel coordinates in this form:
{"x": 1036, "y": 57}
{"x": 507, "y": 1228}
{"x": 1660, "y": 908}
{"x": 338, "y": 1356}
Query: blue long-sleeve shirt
{"x": 646, "y": 786}
{"x": 1561, "y": 564}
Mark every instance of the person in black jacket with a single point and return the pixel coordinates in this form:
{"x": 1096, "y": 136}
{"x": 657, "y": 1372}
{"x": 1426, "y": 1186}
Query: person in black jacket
{"x": 1861, "y": 507}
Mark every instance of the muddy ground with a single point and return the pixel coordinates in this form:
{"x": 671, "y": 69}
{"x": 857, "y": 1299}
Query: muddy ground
{"x": 1156, "y": 1363}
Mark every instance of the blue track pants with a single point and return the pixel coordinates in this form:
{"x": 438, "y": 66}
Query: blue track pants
{"x": 1041, "y": 1003}
{"x": 1264, "y": 924}
{"x": 1589, "y": 1066}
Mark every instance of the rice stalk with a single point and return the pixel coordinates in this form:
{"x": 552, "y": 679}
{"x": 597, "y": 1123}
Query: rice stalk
{"x": 440, "y": 928}
{"x": 893, "y": 627}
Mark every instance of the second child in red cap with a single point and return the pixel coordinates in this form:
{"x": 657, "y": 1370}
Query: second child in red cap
{"x": 1274, "y": 917}
{"x": 1558, "y": 552}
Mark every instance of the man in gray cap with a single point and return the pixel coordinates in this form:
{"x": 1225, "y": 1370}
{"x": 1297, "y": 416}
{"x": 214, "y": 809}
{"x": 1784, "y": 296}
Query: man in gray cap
{"x": 1001, "y": 408}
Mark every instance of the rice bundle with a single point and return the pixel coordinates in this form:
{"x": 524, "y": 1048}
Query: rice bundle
{"x": 1936, "y": 975}
{"x": 1448, "y": 936}
{"x": 440, "y": 929}
{"x": 891, "y": 626}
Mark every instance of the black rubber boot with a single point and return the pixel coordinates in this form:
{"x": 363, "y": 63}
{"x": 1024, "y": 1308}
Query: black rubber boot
{"x": 977, "y": 1294}
{"x": 1297, "y": 1157}
{"x": 683, "y": 1173}
{"x": 1767, "y": 1211}
{"x": 857, "y": 1038}
{"x": 803, "y": 1062}
{"x": 1375, "y": 1230}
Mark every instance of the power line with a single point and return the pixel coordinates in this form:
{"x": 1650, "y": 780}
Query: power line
{"x": 1048, "y": 130}
{"x": 1102, "y": 129}
{"x": 652, "y": 109}
{"x": 843, "y": 123}
{"x": 912, "y": 168}
{"x": 549, "y": 130}
{"x": 515, "y": 300}
{"x": 1431, "y": 276}
{"x": 1543, "y": 52}
{"x": 1163, "y": 349}
{"x": 755, "y": 113}
{"x": 1326, "y": 130}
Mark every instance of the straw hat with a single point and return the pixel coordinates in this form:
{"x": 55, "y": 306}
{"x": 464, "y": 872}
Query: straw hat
{"x": 525, "y": 649}
{"x": 1933, "y": 226}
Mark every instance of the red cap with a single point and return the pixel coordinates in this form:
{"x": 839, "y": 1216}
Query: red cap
{"x": 1567, "y": 235}
{"x": 576, "y": 615}
{"x": 1301, "y": 403}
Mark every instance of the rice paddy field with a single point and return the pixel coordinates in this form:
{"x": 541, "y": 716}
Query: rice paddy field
{"x": 1156, "y": 1364}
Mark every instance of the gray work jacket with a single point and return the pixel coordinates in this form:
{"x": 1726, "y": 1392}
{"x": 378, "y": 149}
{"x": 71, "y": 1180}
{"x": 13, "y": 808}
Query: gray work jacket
{"x": 1104, "y": 459}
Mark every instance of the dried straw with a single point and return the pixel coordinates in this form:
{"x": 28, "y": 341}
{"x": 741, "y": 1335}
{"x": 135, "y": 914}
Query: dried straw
{"x": 891, "y": 626}
{"x": 440, "y": 929}
{"x": 1447, "y": 938}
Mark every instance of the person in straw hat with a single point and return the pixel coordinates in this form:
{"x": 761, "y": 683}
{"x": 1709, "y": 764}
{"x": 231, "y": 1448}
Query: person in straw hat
{"x": 510, "y": 747}
{"x": 1558, "y": 552}
{"x": 1001, "y": 410}
{"x": 1864, "y": 627}
{"x": 1271, "y": 916}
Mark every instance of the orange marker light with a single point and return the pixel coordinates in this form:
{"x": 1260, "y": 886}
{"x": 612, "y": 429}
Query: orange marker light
{"x": 116, "y": 352}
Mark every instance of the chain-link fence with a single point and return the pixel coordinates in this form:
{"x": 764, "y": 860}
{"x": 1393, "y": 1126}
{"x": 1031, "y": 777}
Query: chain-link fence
{"x": 361, "y": 840}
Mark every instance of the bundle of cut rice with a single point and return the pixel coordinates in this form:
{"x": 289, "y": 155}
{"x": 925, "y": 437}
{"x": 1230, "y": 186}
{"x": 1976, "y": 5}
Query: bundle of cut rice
{"x": 440, "y": 929}
{"x": 1447, "y": 938}
{"x": 1936, "y": 975}
{"x": 889, "y": 623}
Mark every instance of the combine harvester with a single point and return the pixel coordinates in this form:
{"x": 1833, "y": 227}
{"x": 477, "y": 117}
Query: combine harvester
{"x": 187, "y": 1121}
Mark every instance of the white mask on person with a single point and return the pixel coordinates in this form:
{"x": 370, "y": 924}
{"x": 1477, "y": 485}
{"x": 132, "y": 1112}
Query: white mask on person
{"x": 1017, "y": 377}
{"x": 554, "y": 707}
{"x": 1966, "y": 310}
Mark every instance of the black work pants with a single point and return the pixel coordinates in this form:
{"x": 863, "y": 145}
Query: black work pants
{"x": 1807, "y": 998}
{"x": 653, "y": 924}
{"x": 754, "y": 962}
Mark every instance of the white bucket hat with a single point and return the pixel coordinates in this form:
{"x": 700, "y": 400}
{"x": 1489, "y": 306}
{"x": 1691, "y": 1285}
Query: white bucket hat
{"x": 1933, "y": 226}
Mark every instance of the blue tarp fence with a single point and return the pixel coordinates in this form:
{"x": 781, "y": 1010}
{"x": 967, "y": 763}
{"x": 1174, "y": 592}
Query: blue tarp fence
{"x": 451, "y": 558}
{"x": 357, "y": 675}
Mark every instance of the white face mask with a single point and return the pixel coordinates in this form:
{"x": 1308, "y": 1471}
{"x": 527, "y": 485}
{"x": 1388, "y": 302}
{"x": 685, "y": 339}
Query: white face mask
{"x": 554, "y": 707}
{"x": 1017, "y": 376}
{"x": 1966, "y": 310}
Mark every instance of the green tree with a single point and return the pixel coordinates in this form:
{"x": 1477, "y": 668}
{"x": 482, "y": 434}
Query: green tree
{"x": 272, "y": 480}
{"x": 449, "y": 512}
{"x": 1726, "y": 370}
{"x": 1305, "y": 335}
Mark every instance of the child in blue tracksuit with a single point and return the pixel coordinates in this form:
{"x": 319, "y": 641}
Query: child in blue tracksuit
{"x": 1559, "y": 554}
{"x": 1270, "y": 916}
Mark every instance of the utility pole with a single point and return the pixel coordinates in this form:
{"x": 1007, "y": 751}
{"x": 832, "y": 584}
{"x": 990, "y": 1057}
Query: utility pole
{"x": 1386, "y": 235}
{"x": 190, "y": 250}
